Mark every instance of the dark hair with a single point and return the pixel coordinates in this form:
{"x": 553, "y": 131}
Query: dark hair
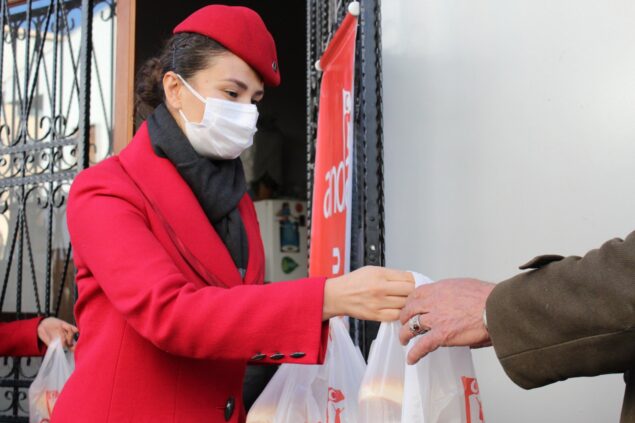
{"x": 184, "y": 53}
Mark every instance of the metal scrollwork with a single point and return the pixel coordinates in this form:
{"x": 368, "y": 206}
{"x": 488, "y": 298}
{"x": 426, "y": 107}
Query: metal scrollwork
{"x": 47, "y": 67}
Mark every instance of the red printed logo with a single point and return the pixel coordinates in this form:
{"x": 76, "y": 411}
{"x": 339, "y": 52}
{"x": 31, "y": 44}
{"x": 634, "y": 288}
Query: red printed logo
{"x": 335, "y": 397}
{"x": 473, "y": 405}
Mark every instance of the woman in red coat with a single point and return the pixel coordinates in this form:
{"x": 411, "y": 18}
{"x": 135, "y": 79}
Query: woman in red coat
{"x": 28, "y": 338}
{"x": 170, "y": 263}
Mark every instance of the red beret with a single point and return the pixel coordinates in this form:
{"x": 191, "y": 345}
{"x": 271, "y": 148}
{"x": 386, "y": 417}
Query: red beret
{"x": 241, "y": 31}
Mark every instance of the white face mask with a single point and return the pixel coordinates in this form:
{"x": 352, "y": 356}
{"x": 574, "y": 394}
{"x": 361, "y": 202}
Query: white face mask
{"x": 226, "y": 130}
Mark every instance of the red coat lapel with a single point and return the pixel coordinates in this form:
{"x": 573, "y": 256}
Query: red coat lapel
{"x": 184, "y": 219}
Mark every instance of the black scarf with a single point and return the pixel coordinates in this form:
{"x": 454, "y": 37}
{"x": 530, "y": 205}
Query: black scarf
{"x": 219, "y": 185}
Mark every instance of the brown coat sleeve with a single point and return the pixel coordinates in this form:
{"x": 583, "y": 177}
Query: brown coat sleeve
{"x": 569, "y": 317}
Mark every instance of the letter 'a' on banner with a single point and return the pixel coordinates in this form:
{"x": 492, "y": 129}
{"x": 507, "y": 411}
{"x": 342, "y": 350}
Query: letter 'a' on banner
{"x": 333, "y": 178}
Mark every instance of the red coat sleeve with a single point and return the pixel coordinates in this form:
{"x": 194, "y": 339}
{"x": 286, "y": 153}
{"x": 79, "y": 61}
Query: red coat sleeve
{"x": 19, "y": 338}
{"x": 112, "y": 240}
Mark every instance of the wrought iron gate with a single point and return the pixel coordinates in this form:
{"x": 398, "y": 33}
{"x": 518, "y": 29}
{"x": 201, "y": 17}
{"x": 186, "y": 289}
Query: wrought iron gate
{"x": 48, "y": 64}
{"x": 367, "y": 244}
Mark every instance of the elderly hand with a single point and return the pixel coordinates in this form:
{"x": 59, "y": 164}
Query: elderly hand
{"x": 51, "y": 328}
{"x": 452, "y": 312}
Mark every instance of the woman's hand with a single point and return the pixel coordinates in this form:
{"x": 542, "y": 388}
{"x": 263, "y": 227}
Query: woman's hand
{"x": 369, "y": 293}
{"x": 51, "y": 328}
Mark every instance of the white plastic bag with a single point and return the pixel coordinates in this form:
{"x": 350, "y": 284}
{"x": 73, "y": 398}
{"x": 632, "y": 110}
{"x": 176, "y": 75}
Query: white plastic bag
{"x": 315, "y": 394}
{"x": 55, "y": 370}
{"x": 381, "y": 393}
{"x": 288, "y": 397}
{"x": 440, "y": 388}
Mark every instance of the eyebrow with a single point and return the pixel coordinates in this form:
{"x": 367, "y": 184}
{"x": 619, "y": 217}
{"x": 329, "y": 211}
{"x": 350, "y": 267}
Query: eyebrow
{"x": 243, "y": 86}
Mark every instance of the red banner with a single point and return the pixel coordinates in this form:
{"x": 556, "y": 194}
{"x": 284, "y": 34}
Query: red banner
{"x": 333, "y": 189}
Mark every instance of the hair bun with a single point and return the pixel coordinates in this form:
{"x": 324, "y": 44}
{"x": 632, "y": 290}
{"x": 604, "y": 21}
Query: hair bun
{"x": 148, "y": 88}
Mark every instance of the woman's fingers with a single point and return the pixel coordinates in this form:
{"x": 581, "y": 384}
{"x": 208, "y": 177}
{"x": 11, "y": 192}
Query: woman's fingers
{"x": 398, "y": 275}
{"x": 51, "y": 328}
{"x": 399, "y": 289}
{"x": 388, "y": 315}
{"x": 68, "y": 327}
{"x": 393, "y": 302}
{"x": 370, "y": 293}
{"x": 68, "y": 334}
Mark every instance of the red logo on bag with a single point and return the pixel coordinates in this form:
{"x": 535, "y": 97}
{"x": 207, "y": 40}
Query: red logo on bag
{"x": 335, "y": 396}
{"x": 473, "y": 405}
{"x": 51, "y": 399}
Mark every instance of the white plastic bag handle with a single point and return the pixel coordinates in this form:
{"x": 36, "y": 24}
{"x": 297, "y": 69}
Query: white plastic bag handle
{"x": 54, "y": 371}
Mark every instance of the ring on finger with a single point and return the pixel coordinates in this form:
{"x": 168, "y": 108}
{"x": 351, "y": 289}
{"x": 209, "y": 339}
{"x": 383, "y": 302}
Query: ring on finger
{"x": 415, "y": 325}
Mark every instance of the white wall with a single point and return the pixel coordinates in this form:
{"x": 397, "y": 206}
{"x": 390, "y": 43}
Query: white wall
{"x": 510, "y": 132}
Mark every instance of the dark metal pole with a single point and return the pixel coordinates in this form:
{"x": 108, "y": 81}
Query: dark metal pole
{"x": 372, "y": 132}
{"x": 85, "y": 78}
